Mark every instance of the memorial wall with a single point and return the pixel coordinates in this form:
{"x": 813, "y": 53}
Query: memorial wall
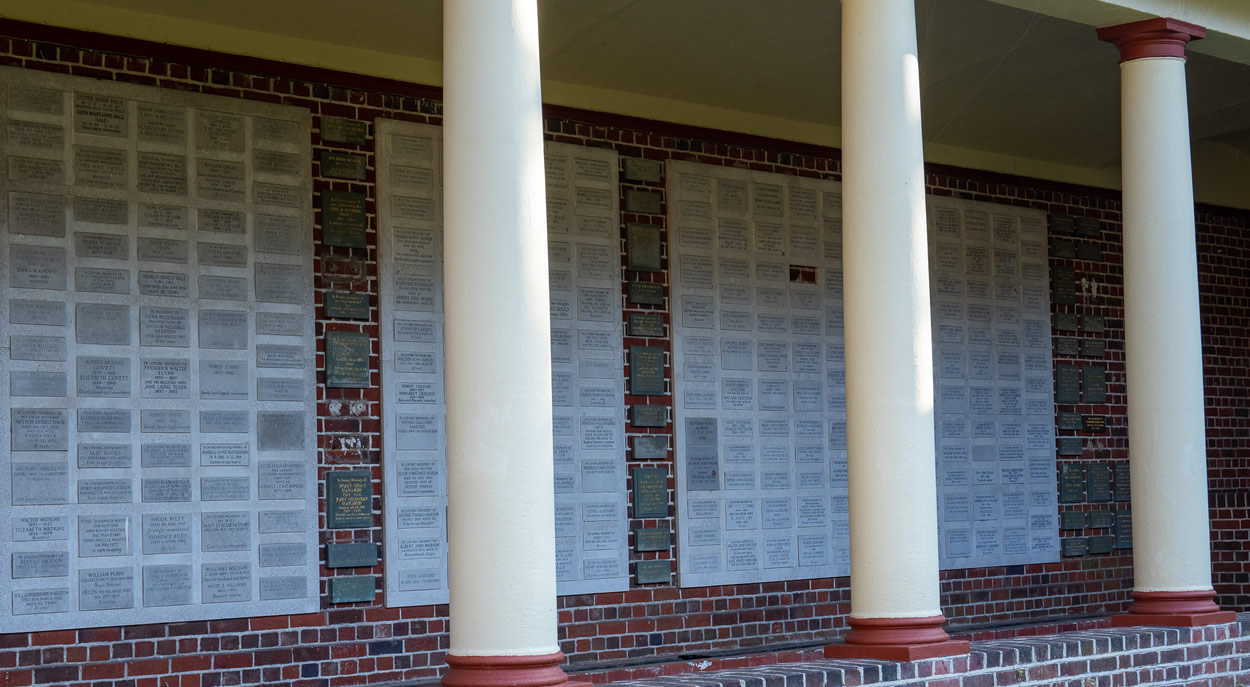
{"x": 158, "y": 356}
{"x": 759, "y": 382}
{"x": 587, "y": 369}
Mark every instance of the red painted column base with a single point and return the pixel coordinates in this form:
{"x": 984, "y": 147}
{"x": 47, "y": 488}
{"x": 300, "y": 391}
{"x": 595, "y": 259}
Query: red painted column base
{"x": 507, "y": 671}
{"x": 1174, "y": 609}
{"x": 897, "y": 639}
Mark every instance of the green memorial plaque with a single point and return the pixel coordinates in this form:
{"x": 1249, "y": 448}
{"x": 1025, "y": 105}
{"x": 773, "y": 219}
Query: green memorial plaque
{"x": 339, "y": 164}
{"x": 1093, "y": 348}
{"x": 648, "y": 416}
{"x": 1071, "y": 446}
{"x": 1094, "y": 423}
{"x": 653, "y": 572}
{"x": 1072, "y": 520}
{"x": 650, "y": 492}
{"x": 340, "y": 130}
{"x": 652, "y": 539}
{"x": 347, "y": 305}
{"x": 1075, "y": 546}
{"x": 349, "y": 499}
{"x": 1123, "y": 484}
{"x": 642, "y": 247}
{"x": 1095, "y": 382}
{"x": 344, "y": 219}
{"x": 1098, "y": 482}
{"x": 1062, "y": 248}
{"x": 1069, "y": 420}
{"x": 1101, "y": 519}
{"x": 645, "y": 293}
{"x": 1094, "y": 324}
{"x": 1088, "y": 250}
{"x": 355, "y": 555}
{"x": 1063, "y": 284}
{"x": 1065, "y": 321}
{"x": 1061, "y": 224}
{"x": 646, "y": 324}
{"x": 638, "y": 169}
{"x": 1067, "y": 346}
{"x": 1124, "y": 529}
{"x": 1067, "y": 384}
{"x": 354, "y": 589}
{"x": 644, "y": 202}
{"x": 646, "y": 370}
{"x": 1088, "y": 226}
{"x": 1102, "y": 543}
{"x": 347, "y": 360}
{"x": 1071, "y": 484}
{"x": 650, "y": 447}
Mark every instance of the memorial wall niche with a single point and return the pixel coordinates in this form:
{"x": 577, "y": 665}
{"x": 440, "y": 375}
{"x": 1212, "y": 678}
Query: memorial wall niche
{"x": 588, "y": 385}
{"x": 994, "y": 408}
{"x": 759, "y": 375}
{"x": 157, "y": 468}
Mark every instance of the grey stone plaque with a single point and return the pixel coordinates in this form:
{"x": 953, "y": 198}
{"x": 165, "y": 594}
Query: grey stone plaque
{"x": 224, "y": 421}
{"x": 36, "y": 214}
{"x": 645, "y": 202}
{"x": 167, "y": 327}
{"x": 40, "y": 482}
{"x": 43, "y": 313}
{"x": 223, "y": 329}
{"x": 275, "y": 521}
{"x": 1098, "y": 483}
{"x": 39, "y": 429}
{"x": 277, "y": 194}
{"x": 41, "y": 384}
{"x": 223, "y": 380}
{"x": 166, "y": 585}
{"x": 1072, "y": 520}
{"x": 280, "y": 324}
{"x": 278, "y": 234}
{"x": 37, "y": 267}
{"x": 274, "y": 162}
{"x": 281, "y": 479}
{"x": 643, "y": 248}
{"x": 99, "y": 456}
{"x": 221, "y": 254}
{"x": 165, "y": 174}
{"x": 644, "y": 171}
{"x": 164, "y": 284}
{"x": 38, "y": 348}
{"x": 105, "y": 491}
{"x": 1075, "y": 546}
{"x": 109, "y": 420}
{"x": 41, "y": 528}
{"x": 226, "y": 531}
{"x": 165, "y": 533}
{"x": 353, "y": 555}
{"x": 273, "y": 588}
{"x": 36, "y": 170}
{"x": 649, "y": 325}
{"x": 219, "y": 131}
{"x": 1095, "y": 383}
{"x": 277, "y": 283}
{"x": 102, "y": 246}
{"x": 1071, "y": 446}
{"x": 282, "y": 554}
{"x": 27, "y": 564}
{"x": 166, "y": 455}
{"x": 101, "y": 210}
{"x": 646, "y": 370}
{"x": 650, "y": 447}
{"x": 269, "y": 130}
{"x": 225, "y": 582}
{"x": 341, "y": 130}
{"x": 222, "y": 455}
{"x": 160, "y": 420}
{"x": 104, "y": 535}
{"x": 100, "y": 167}
{"x": 1067, "y": 346}
{"x": 280, "y": 388}
{"x": 225, "y": 488}
{"x": 352, "y": 589}
{"x": 645, "y": 293}
{"x": 219, "y": 180}
{"x": 103, "y": 377}
{"x": 280, "y": 431}
{"x": 1067, "y": 384}
{"x": 653, "y": 539}
{"x": 648, "y": 416}
{"x": 166, "y": 378}
{"x": 221, "y": 221}
{"x": 161, "y": 124}
{"x": 40, "y": 601}
{"x": 1071, "y": 484}
{"x": 36, "y": 135}
{"x": 174, "y": 217}
{"x": 101, "y": 280}
{"x": 102, "y": 323}
{"x": 37, "y": 100}
{"x": 653, "y": 572}
{"x": 166, "y": 490}
{"x": 102, "y": 589}
{"x": 100, "y": 115}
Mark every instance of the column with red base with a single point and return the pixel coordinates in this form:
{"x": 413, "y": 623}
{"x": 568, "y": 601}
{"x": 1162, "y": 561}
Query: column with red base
{"x": 500, "y": 522}
{"x": 895, "y": 612}
{"x": 1163, "y": 335}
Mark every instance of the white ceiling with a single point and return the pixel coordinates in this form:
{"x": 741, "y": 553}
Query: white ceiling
{"x": 995, "y": 78}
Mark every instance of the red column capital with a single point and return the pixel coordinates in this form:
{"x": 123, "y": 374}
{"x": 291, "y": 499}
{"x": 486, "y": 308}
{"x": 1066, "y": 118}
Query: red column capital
{"x": 1160, "y": 37}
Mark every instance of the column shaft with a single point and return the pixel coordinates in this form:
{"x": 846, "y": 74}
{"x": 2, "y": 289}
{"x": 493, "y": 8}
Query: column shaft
{"x": 889, "y": 365}
{"x": 1163, "y": 331}
{"x": 501, "y": 530}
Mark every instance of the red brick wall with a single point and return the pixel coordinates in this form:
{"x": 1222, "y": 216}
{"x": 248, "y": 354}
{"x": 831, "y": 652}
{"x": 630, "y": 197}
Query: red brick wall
{"x": 368, "y": 643}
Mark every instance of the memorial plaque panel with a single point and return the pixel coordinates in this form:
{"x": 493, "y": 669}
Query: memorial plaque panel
{"x": 346, "y": 305}
{"x": 1065, "y": 321}
{"x": 646, "y": 370}
{"x": 1070, "y": 421}
{"x": 645, "y": 293}
{"x": 338, "y": 164}
{"x": 652, "y": 539}
{"x": 1098, "y": 483}
{"x": 353, "y": 589}
{"x": 1071, "y": 484}
{"x": 653, "y": 572}
{"x": 349, "y": 499}
{"x": 341, "y": 130}
{"x": 1075, "y": 546}
{"x": 650, "y": 447}
{"x": 1071, "y": 446}
{"x": 347, "y": 360}
{"x": 648, "y": 416}
{"x": 355, "y": 555}
{"x": 1101, "y": 519}
{"x": 1102, "y": 543}
{"x": 643, "y": 248}
{"x": 646, "y": 325}
{"x": 1123, "y": 488}
{"x": 1094, "y": 423}
{"x": 1094, "y": 378}
{"x": 1067, "y": 346}
{"x": 344, "y": 221}
{"x": 1123, "y": 529}
{"x": 116, "y": 345}
{"x": 1067, "y": 384}
{"x": 1072, "y": 520}
{"x": 1095, "y": 324}
{"x": 645, "y": 202}
{"x": 650, "y": 492}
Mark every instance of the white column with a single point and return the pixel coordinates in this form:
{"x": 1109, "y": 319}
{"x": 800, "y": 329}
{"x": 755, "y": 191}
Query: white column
{"x": 501, "y": 541}
{"x": 1163, "y": 335}
{"x": 889, "y": 365}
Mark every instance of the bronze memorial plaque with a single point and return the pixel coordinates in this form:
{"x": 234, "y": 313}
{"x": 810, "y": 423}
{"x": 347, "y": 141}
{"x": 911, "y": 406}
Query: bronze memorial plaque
{"x": 347, "y": 360}
{"x": 646, "y": 370}
{"x": 349, "y": 499}
{"x": 1071, "y": 484}
{"x": 650, "y": 492}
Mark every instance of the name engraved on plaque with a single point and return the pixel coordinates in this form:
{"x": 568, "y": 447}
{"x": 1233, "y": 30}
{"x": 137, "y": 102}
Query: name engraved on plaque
{"x": 1095, "y": 382}
{"x": 1098, "y": 482}
{"x": 341, "y": 130}
{"x": 643, "y": 248}
{"x": 1067, "y": 384}
{"x": 646, "y": 325}
{"x": 354, "y": 555}
{"x": 650, "y": 492}
{"x": 344, "y": 221}
{"x": 653, "y": 572}
{"x": 646, "y": 370}
{"x": 347, "y": 360}
{"x": 338, "y": 164}
{"x": 352, "y": 589}
{"x": 652, "y": 539}
{"x": 347, "y": 305}
{"x": 645, "y": 293}
{"x": 349, "y": 499}
{"x": 1071, "y": 484}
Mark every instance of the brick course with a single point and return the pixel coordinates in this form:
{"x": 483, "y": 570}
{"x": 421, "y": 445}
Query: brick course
{"x": 368, "y": 643}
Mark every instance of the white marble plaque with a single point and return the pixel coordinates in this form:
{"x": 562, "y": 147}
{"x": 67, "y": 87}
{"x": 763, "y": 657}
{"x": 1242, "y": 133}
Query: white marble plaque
{"x": 140, "y": 275}
{"x": 587, "y": 359}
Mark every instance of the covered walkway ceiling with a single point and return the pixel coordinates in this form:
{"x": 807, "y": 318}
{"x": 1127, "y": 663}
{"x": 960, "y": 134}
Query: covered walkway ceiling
{"x": 1004, "y": 87}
